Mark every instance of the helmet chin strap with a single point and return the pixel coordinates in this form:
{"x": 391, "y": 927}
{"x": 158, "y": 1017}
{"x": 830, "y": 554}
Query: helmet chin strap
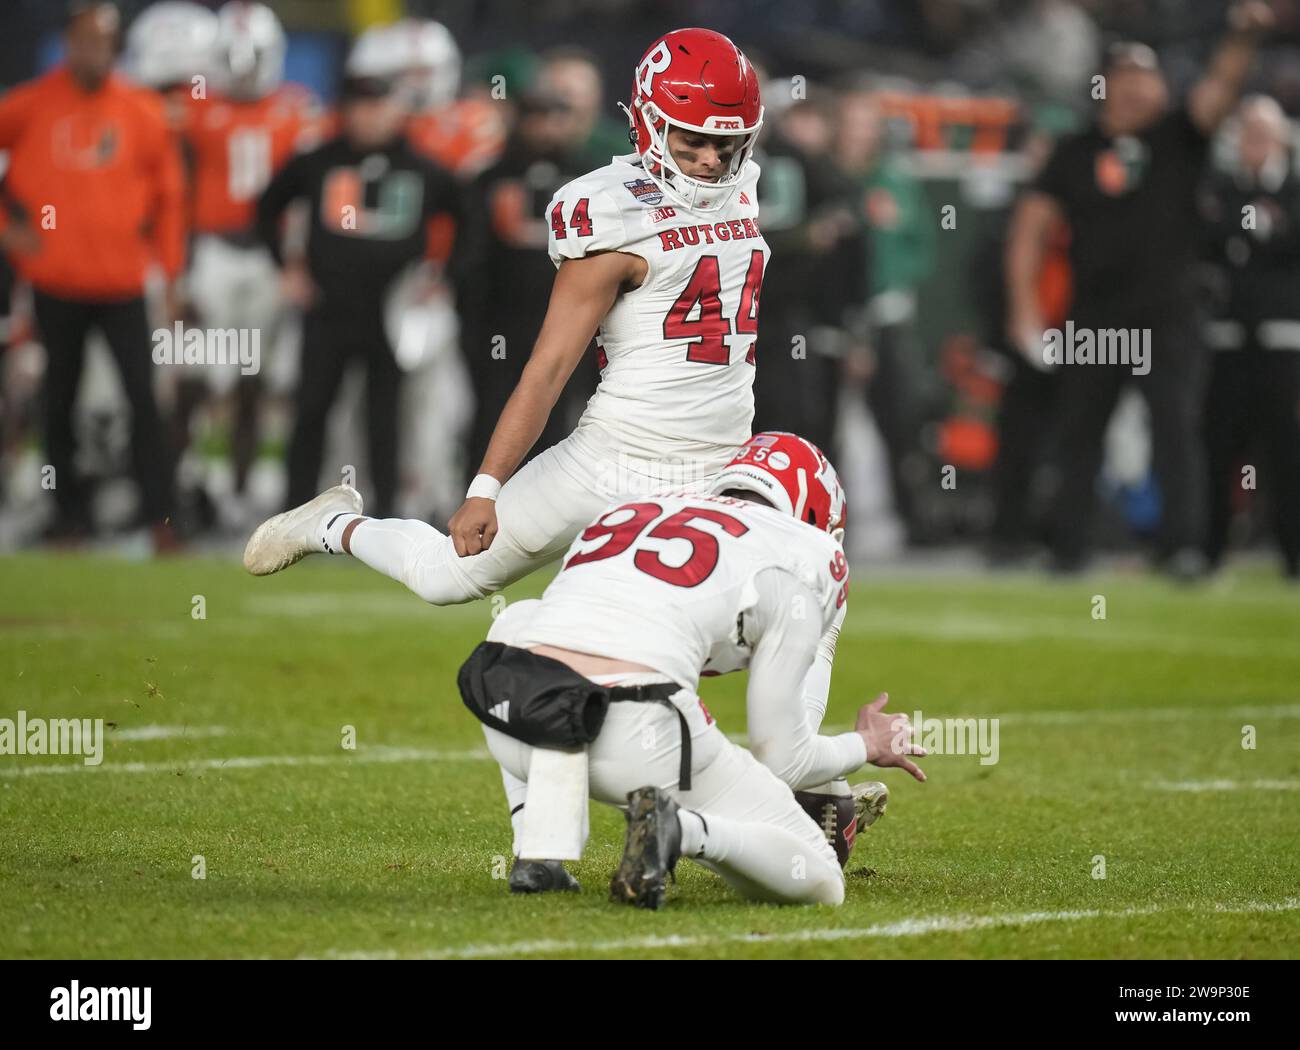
{"x": 631, "y": 122}
{"x": 657, "y": 155}
{"x": 688, "y": 195}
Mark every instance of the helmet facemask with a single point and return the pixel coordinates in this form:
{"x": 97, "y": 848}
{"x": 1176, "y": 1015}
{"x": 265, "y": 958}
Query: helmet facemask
{"x": 682, "y": 189}
{"x": 251, "y": 49}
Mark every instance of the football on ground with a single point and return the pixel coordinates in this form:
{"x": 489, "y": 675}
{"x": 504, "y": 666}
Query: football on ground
{"x": 288, "y": 771}
{"x": 831, "y": 808}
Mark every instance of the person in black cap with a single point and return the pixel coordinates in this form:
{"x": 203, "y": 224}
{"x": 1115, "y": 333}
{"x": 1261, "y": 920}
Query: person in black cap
{"x": 1127, "y": 188}
{"x": 375, "y": 208}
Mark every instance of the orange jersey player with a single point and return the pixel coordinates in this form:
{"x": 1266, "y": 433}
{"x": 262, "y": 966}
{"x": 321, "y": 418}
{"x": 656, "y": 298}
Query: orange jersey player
{"x": 464, "y": 137}
{"x": 250, "y": 125}
{"x": 237, "y": 145}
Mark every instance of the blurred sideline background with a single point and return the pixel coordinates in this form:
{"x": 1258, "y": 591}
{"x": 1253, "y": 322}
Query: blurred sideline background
{"x": 879, "y": 114}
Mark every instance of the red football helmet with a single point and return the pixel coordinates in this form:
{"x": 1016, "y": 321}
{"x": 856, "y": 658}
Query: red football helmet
{"x": 698, "y": 80}
{"x": 792, "y": 474}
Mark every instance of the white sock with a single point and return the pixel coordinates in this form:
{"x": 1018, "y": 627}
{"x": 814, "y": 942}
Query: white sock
{"x": 516, "y": 792}
{"x": 694, "y": 833}
{"x": 332, "y": 527}
{"x": 416, "y": 555}
{"x": 838, "y": 786}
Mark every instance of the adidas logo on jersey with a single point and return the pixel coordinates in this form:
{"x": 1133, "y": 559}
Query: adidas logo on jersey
{"x": 683, "y": 236}
{"x": 501, "y": 711}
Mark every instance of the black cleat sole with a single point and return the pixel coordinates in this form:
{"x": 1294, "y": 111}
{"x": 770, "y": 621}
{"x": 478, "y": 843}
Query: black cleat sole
{"x": 650, "y": 852}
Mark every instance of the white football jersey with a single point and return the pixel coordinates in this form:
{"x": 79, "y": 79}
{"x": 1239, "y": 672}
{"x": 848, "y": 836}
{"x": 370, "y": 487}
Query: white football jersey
{"x": 677, "y": 353}
{"x": 666, "y": 582}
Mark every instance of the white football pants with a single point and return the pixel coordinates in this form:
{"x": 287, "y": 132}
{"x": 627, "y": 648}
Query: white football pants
{"x": 540, "y": 510}
{"x": 233, "y": 287}
{"x": 758, "y": 838}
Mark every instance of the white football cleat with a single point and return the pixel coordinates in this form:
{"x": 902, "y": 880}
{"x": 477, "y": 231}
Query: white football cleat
{"x": 289, "y": 537}
{"x": 869, "y": 802}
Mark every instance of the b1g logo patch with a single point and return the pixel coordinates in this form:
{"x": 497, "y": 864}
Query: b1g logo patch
{"x": 645, "y": 191}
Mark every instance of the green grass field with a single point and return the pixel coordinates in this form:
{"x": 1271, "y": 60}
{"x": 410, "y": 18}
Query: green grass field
{"x": 1120, "y": 738}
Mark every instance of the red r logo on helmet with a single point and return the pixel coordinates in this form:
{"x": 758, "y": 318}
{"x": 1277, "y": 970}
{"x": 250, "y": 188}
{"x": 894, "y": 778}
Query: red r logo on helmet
{"x": 658, "y": 60}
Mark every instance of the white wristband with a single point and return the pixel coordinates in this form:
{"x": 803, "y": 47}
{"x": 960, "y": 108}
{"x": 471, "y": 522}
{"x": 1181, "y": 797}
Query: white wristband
{"x": 484, "y": 486}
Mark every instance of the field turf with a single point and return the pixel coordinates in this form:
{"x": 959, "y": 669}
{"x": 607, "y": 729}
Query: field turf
{"x": 1118, "y": 739}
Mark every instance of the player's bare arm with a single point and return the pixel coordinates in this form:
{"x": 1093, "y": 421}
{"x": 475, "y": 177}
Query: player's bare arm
{"x": 584, "y": 291}
{"x": 1214, "y": 96}
{"x": 1035, "y": 217}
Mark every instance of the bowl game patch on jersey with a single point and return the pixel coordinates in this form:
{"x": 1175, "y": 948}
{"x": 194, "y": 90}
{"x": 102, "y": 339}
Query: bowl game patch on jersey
{"x": 645, "y": 191}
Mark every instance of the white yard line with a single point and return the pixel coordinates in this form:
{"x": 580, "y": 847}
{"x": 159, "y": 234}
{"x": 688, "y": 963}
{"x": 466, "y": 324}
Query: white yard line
{"x": 914, "y": 927}
{"x": 1153, "y": 714}
{"x": 416, "y": 754}
{"x": 1110, "y": 714}
{"x": 1226, "y": 785}
{"x": 153, "y": 732}
{"x": 376, "y": 754}
{"x": 1002, "y": 628}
